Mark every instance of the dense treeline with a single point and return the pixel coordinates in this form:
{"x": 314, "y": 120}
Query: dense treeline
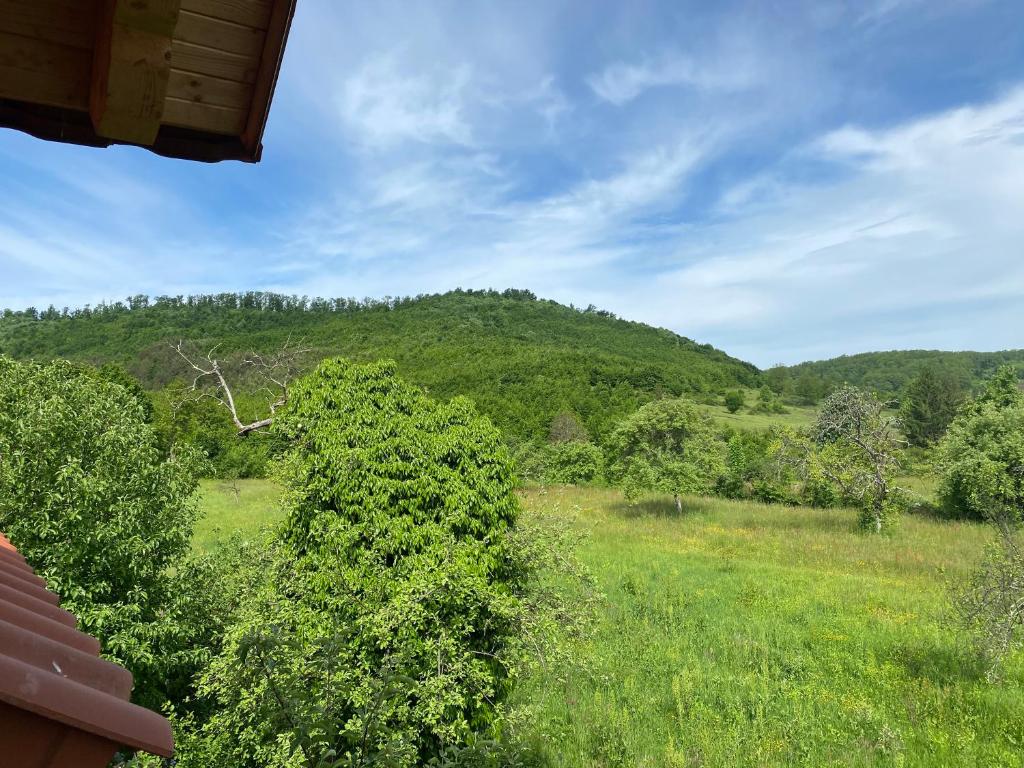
{"x": 523, "y": 360}
{"x": 887, "y": 373}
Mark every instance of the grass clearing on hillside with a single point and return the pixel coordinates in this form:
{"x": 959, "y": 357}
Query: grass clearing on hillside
{"x": 741, "y": 634}
{"x": 797, "y": 417}
{"x": 230, "y": 505}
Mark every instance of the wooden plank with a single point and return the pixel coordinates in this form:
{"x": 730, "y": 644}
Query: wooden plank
{"x": 131, "y": 68}
{"x": 189, "y": 57}
{"x": 251, "y": 13}
{"x": 203, "y": 117}
{"x": 207, "y": 89}
{"x": 68, "y": 22}
{"x": 43, "y": 72}
{"x": 266, "y": 81}
{"x": 220, "y": 35}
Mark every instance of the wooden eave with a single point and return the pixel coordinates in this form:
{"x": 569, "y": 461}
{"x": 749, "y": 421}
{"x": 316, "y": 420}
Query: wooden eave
{"x": 191, "y": 79}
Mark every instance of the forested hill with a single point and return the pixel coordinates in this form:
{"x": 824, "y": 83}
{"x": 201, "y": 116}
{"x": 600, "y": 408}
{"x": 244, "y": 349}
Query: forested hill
{"x": 520, "y": 358}
{"x": 888, "y": 372}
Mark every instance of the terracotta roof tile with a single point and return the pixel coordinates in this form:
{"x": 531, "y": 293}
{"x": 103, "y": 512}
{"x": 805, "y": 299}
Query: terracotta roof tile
{"x": 60, "y": 704}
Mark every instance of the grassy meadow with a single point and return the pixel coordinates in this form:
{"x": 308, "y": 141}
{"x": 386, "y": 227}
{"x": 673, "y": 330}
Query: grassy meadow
{"x": 741, "y": 634}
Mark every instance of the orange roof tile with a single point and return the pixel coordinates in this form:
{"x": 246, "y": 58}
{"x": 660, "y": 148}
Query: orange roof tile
{"x": 60, "y": 704}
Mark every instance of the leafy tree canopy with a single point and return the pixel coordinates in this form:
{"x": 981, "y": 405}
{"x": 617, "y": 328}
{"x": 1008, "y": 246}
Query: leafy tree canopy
{"x": 398, "y": 596}
{"x": 981, "y": 458}
{"x": 929, "y": 403}
{"x": 87, "y": 499}
{"x": 521, "y": 359}
{"x": 668, "y": 446}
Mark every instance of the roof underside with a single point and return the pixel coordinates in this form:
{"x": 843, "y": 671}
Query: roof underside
{"x": 185, "y": 78}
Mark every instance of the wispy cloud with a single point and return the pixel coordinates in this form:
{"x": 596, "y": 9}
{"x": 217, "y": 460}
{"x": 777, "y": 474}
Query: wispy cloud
{"x": 621, "y": 82}
{"x": 383, "y": 105}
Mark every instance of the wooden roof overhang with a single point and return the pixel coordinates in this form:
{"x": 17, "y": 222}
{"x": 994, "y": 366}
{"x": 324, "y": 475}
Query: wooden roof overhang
{"x": 191, "y": 79}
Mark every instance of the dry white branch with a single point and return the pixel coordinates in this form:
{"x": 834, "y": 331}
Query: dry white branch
{"x": 276, "y": 372}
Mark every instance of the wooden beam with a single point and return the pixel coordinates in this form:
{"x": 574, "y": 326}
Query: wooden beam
{"x": 131, "y": 68}
{"x": 41, "y": 72}
{"x": 266, "y": 79}
{"x": 252, "y": 13}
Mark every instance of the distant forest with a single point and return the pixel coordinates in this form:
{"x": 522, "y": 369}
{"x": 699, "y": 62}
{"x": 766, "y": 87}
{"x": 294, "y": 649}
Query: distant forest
{"x": 887, "y": 373}
{"x": 522, "y": 359}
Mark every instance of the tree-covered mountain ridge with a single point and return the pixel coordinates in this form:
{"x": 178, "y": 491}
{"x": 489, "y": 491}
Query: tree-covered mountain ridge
{"x": 521, "y": 358}
{"x": 889, "y": 372}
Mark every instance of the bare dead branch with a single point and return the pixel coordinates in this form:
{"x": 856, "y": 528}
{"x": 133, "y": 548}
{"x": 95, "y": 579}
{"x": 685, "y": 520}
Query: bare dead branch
{"x": 276, "y": 372}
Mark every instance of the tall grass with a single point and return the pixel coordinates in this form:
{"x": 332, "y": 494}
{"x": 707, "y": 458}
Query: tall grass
{"x": 739, "y": 634}
{"x": 743, "y": 634}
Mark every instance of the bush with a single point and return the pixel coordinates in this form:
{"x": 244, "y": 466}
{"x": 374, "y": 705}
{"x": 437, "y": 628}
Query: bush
{"x": 768, "y": 402}
{"x": 90, "y": 503}
{"x": 989, "y": 602}
{"x": 981, "y": 457}
{"x": 734, "y": 400}
{"x": 574, "y": 463}
{"x": 756, "y": 468}
{"x": 400, "y": 601}
{"x": 668, "y": 446}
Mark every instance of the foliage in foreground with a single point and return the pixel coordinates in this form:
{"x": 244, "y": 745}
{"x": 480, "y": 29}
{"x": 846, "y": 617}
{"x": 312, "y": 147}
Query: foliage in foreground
{"x": 401, "y": 601}
{"x": 86, "y": 498}
{"x": 990, "y": 602}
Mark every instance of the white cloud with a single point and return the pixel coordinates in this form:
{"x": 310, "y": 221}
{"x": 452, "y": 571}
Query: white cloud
{"x": 621, "y": 82}
{"x": 924, "y": 221}
{"x": 384, "y": 105}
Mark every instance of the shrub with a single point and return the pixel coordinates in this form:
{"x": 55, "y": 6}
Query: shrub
{"x": 668, "y": 446}
{"x": 87, "y": 499}
{"x": 981, "y": 457}
{"x": 768, "y": 402}
{"x": 574, "y": 463}
{"x": 566, "y": 427}
{"x": 734, "y": 400}
{"x": 400, "y": 601}
{"x": 758, "y": 467}
{"x": 989, "y": 604}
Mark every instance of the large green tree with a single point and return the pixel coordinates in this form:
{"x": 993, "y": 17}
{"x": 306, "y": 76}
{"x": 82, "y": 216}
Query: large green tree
{"x": 669, "y": 446}
{"x": 981, "y": 458}
{"x": 397, "y": 606}
{"x": 929, "y": 403}
{"x": 90, "y": 503}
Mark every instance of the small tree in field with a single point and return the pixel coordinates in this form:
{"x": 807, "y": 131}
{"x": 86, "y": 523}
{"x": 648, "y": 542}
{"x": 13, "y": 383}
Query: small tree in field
{"x": 566, "y": 427}
{"x": 858, "y": 451}
{"x": 668, "y": 446}
{"x": 734, "y": 400}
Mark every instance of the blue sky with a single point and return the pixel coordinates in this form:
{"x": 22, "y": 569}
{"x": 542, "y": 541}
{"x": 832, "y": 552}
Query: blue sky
{"x": 785, "y": 180}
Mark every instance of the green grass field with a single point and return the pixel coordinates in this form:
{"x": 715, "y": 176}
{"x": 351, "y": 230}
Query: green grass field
{"x": 796, "y": 417}
{"x": 230, "y": 505}
{"x": 746, "y": 635}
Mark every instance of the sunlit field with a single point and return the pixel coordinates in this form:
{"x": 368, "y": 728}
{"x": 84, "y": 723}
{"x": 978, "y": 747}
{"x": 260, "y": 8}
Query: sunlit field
{"x": 742, "y": 634}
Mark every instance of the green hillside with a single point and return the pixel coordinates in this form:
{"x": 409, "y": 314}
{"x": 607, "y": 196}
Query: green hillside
{"x": 887, "y": 372}
{"x": 522, "y": 359}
